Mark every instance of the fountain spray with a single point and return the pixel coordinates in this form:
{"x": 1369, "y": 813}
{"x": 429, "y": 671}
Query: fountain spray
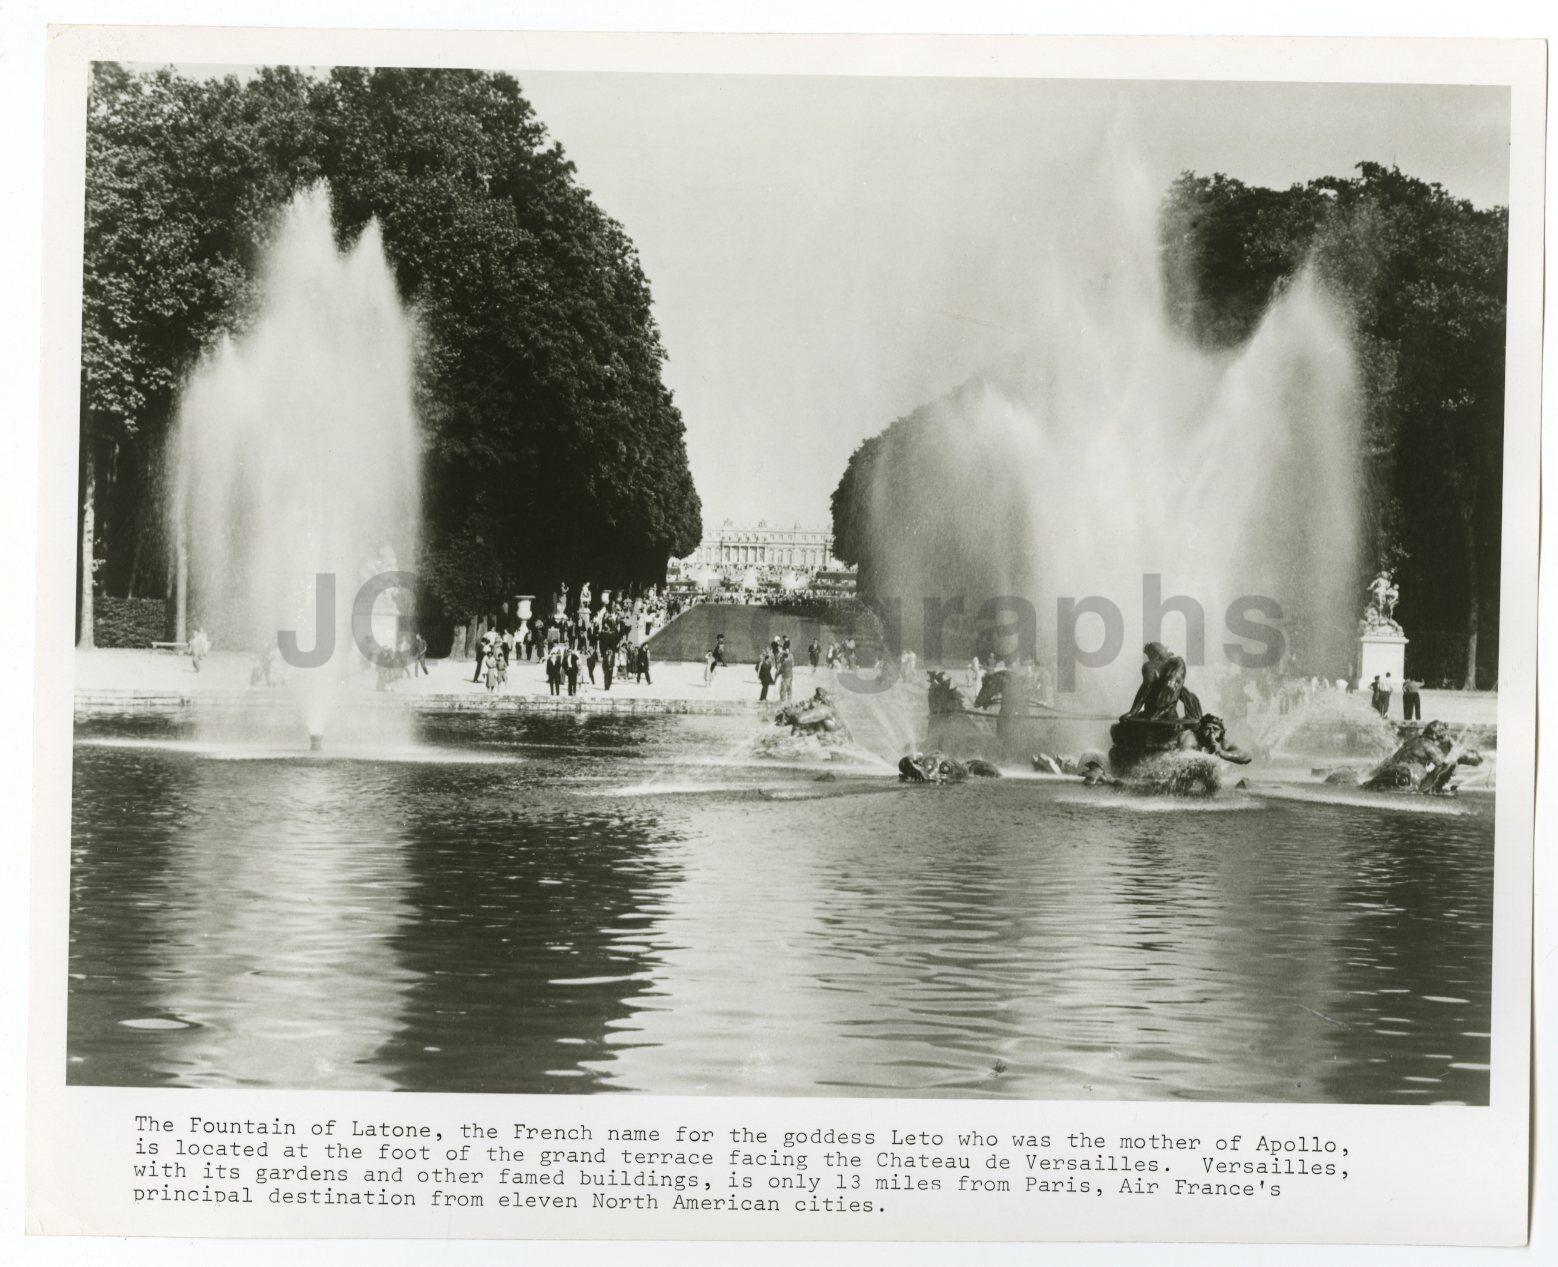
{"x": 1116, "y": 460}
{"x": 297, "y": 455}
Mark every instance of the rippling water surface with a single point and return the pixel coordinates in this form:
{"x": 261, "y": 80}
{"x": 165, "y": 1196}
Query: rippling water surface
{"x": 635, "y": 904}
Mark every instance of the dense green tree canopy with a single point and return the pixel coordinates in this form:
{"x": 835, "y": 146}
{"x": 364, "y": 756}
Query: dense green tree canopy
{"x": 1423, "y": 275}
{"x": 553, "y": 449}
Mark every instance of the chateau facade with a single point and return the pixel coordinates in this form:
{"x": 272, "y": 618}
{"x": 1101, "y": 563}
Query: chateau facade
{"x": 731, "y": 548}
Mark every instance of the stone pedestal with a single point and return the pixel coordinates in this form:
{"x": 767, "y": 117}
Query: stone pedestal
{"x": 1381, "y": 651}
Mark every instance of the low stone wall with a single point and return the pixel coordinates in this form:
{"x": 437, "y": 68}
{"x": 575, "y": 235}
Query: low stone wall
{"x": 96, "y": 704}
{"x": 132, "y": 704}
{"x": 125, "y": 703}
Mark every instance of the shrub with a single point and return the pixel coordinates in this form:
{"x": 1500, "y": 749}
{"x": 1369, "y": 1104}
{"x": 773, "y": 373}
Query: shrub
{"x": 130, "y": 622}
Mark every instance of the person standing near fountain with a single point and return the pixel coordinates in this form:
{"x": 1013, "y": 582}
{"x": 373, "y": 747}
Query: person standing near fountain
{"x": 1411, "y": 700}
{"x": 199, "y": 646}
{"x": 481, "y": 654}
{"x": 267, "y": 665}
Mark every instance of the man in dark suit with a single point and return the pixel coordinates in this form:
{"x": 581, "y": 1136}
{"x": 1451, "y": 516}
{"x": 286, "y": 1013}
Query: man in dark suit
{"x": 1411, "y": 700}
{"x": 481, "y": 654}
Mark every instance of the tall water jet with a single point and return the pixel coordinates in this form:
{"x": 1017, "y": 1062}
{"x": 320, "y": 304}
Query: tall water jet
{"x": 297, "y": 455}
{"x": 1115, "y": 459}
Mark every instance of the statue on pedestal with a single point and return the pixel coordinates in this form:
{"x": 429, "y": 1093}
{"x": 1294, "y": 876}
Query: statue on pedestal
{"x": 1379, "y": 615}
{"x": 584, "y": 599}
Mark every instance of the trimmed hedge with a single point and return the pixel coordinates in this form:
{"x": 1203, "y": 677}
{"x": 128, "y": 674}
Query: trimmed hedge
{"x": 131, "y": 622}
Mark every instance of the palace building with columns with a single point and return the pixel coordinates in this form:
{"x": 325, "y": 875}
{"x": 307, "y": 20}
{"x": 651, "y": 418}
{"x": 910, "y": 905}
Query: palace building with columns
{"x": 730, "y": 550}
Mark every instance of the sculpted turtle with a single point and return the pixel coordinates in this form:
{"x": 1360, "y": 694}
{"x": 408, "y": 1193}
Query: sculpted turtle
{"x": 937, "y": 767}
{"x": 1425, "y": 762}
{"x": 818, "y": 715}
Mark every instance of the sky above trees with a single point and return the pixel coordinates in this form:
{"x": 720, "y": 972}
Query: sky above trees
{"x": 828, "y": 254}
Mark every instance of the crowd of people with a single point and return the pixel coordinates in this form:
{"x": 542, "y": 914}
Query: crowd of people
{"x": 1039, "y": 684}
{"x": 776, "y": 664}
{"x": 804, "y": 602}
{"x": 1382, "y": 688}
{"x": 593, "y": 646}
{"x": 1269, "y": 693}
{"x": 576, "y": 649}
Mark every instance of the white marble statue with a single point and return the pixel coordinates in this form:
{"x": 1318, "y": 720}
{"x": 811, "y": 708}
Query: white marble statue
{"x": 1381, "y": 610}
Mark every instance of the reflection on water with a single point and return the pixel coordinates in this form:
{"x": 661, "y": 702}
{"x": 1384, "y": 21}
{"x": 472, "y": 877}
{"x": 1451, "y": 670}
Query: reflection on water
{"x": 224, "y": 911}
{"x": 603, "y": 903}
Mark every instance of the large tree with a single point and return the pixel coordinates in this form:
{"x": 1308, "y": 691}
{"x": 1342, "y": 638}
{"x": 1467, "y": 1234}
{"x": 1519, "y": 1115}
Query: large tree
{"x": 556, "y": 450}
{"x": 1423, "y": 275}
{"x": 553, "y": 448}
{"x": 183, "y": 178}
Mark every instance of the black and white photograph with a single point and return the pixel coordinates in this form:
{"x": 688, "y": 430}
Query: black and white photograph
{"x": 671, "y": 588}
{"x": 787, "y": 586}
